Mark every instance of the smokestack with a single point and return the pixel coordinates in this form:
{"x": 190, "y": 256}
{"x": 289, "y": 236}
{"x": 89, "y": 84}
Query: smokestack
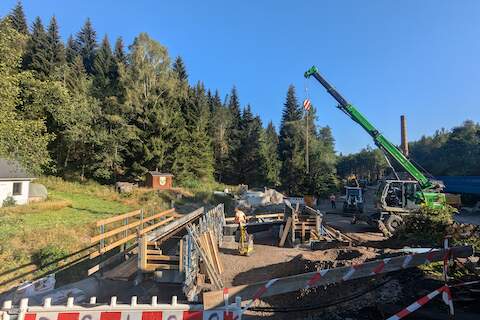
{"x": 403, "y": 131}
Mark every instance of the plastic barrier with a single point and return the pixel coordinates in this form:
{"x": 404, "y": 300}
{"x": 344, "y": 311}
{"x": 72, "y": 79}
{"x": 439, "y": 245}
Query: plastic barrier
{"x": 114, "y": 311}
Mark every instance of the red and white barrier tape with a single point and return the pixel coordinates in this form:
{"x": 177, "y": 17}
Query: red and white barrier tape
{"x": 318, "y": 275}
{"x": 420, "y": 302}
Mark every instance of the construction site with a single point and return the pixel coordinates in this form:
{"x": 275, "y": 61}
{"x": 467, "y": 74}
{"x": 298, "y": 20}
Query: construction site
{"x": 133, "y": 189}
{"x": 274, "y": 256}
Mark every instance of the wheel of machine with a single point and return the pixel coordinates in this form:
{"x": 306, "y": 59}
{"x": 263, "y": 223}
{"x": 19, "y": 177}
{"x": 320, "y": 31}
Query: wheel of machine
{"x": 393, "y": 222}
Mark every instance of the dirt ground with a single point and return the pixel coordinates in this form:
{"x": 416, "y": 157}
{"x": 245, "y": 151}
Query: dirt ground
{"x": 369, "y": 298}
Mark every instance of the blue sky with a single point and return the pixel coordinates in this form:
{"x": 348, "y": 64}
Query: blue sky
{"x": 419, "y": 58}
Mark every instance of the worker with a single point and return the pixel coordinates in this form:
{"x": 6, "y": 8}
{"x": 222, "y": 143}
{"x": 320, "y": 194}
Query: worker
{"x": 240, "y": 216}
{"x": 332, "y": 201}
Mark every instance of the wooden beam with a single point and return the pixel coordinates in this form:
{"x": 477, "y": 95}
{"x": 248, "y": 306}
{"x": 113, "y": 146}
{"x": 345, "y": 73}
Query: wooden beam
{"x": 180, "y": 254}
{"x": 215, "y": 299}
{"x": 156, "y": 225}
{"x": 117, "y": 218}
{"x": 162, "y": 257}
{"x": 156, "y": 266}
{"x": 174, "y": 226}
{"x": 285, "y": 232}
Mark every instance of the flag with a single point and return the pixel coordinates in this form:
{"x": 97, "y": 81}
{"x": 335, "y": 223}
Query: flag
{"x": 307, "y": 104}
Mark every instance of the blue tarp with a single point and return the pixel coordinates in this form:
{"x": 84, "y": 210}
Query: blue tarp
{"x": 461, "y": 184}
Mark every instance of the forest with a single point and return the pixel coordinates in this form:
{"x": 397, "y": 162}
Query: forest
{"x": 87, "y": 109}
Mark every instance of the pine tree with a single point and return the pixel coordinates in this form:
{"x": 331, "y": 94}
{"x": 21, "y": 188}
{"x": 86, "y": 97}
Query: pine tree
{"x": 86, "y": 41}
{"x": 56, "y": 49}
{"x": 37, "y": 52}
{"x": 290, "y": 142}
{"x": 180, "y": 70}
{"x": 18, "y": 20}
{"x": 271, "y": 162}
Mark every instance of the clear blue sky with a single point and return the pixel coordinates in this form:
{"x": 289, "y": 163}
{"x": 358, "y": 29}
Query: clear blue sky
{"x": 419, "y": 58}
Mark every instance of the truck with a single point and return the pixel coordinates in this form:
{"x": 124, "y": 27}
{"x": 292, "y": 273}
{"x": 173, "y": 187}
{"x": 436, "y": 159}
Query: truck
{"x": 395, "y": 198}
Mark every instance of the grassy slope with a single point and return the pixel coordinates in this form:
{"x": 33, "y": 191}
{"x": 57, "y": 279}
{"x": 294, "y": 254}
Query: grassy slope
{"x": 64, "y": 220}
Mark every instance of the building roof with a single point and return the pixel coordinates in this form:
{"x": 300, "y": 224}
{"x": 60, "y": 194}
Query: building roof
{"x": 157, "y": 173}
{"x": 12, "y": 170}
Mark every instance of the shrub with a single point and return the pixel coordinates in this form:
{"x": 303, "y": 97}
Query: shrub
{"x": 9, "y": 202}
{"x": 428, "y": 226}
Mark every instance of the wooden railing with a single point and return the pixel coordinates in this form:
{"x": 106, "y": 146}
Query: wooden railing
{"x": 127, "y": 227}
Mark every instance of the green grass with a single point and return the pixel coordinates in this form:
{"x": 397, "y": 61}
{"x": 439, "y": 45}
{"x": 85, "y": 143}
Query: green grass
{"x": 65, "y": 220}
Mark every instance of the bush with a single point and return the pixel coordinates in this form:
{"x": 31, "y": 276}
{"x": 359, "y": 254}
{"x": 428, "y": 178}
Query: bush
{"x": 427, "y": 227}
{"x": 9, "y": 202}
{"x": 47, "y": 255}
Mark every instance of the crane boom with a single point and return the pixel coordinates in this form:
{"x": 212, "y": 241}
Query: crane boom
{"x": 379, "y": 139}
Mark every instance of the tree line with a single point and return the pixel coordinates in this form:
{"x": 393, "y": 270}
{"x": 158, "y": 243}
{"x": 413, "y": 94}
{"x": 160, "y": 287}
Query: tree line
{"x": 87, "y": 109}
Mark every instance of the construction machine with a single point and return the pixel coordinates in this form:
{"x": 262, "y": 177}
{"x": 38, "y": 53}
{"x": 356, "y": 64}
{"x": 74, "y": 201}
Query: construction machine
{"x": 395, "y": 198}
{"x": 353, "y": 200}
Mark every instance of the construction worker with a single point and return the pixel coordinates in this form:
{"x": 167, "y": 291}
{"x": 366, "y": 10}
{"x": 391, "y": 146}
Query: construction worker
{"x": 333, "y": 201}
{"x": 240, "y": 216}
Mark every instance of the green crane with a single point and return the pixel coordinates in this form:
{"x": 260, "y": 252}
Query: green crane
{"x": 428, "y": 193}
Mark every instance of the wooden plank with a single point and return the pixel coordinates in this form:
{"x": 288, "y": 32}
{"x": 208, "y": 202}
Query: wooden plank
{"x": 171, "y": 228}
{"x": 215, "y": 299}
{"x": 162, "y": 258}
{"x": 217, "y": 253}
{"x": 156, "y": 225}
{"x": 156, "y": 266}
{"x": 117, "y": 218}
{"x": 285, "y": 232}
{"x": 154, "y": 252}
{"x": 212, "y": 245}
{"x": 111, "y": 260}
{"x": 112, "y": 246}
{"x": 129, "y": 226}
{"x": 114, "y": 231}
{"x": 123, "y": 271}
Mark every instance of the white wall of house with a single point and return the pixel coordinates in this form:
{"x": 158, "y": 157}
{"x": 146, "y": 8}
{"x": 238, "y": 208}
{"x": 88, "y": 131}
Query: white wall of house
{"x": 6, "y": 190}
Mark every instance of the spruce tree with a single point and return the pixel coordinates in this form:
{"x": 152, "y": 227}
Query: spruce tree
{"x": 37, "y": 52}
{"x": 71, "y": 50}
{"x": 250, "y": 163}
{"x": 180, "y": 70}
{"x": 219, "y": 126}
{"x": 271, "y": 162}
{"x": 119, "y": 51}
{"x": 234, "y": 138}
{"x": 290, "y": 142}
{"x": 103, "y": 68}
{"x": 18, "y": 20}
{"x": 56, "y": 49}
{"x": 86, "y": 41}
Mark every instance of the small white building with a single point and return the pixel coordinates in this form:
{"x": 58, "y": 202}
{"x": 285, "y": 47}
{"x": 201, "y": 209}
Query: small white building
{"x": 14, "y": 182}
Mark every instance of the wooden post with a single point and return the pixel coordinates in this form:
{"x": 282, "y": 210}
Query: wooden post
{"x": 325, "y": 277}
{"x": 142, "y": 252}
{"x": 180, "y": 254}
